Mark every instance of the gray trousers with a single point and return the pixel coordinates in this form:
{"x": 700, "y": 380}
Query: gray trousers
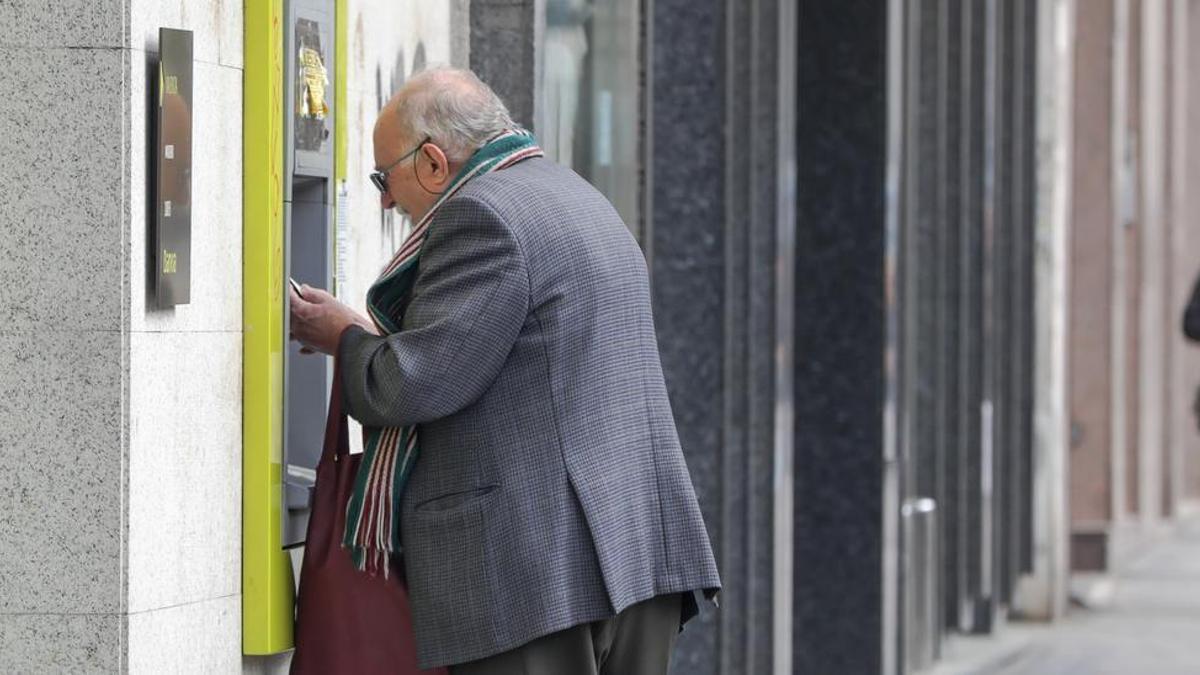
{"x": 638, "y": 641}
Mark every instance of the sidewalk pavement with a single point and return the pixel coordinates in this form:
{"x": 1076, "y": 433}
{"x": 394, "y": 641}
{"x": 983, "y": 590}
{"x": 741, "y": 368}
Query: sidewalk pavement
{"x": 1151, "y": 625}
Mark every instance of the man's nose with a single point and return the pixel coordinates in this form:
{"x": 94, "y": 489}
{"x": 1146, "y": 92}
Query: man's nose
{"x": 386, "y": 201}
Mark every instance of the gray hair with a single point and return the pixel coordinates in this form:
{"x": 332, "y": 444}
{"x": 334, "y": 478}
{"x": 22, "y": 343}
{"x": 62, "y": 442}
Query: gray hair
{"x": 452, "y": 107}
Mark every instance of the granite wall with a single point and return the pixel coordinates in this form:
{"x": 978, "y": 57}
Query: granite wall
{"x": 62, "y": 348}
{"x": 122, "y": 433}
{"x": 121, "y": 448}
{"x": 183, "y": 402}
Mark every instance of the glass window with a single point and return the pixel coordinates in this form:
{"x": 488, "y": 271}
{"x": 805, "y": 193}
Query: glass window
{"x": 590, "y": 117}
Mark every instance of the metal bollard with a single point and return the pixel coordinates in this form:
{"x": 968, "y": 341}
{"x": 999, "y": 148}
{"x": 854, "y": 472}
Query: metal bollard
{"x": 922, "y": 630}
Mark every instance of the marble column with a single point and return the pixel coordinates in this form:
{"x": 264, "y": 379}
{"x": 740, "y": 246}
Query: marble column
{"x": 504, "y": 40}
{"x": 923, "y": 367}
{"x": 1009, "y": 336}
{"x": 974, "y": 424}
{"x": 688, "y": 264}
{"x": 717, "y": 242}
{"x": 1182, "y": 371}
{"x": 1091, "y": 302}
{"x": 844, "y": 601}
{"x": 953, "y": 179}
{"x": 1042, "y": 594}
{"x": 1025, "y": 162}
{"x": 1152, "y": 352}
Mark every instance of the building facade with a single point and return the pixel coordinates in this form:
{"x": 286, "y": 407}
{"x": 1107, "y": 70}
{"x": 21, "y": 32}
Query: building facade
{"x": 918, "y": 268}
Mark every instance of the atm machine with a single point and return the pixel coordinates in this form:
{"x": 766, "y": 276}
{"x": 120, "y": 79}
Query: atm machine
{"x": 292, "y": 145}
{"x": 308, "y": 209}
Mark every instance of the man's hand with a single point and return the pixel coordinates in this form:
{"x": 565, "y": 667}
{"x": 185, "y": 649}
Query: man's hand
{"x": 318, "y": 320}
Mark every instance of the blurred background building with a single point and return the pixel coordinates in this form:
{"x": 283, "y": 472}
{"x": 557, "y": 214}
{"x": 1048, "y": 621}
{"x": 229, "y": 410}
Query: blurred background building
{"x": 918, "y": 271}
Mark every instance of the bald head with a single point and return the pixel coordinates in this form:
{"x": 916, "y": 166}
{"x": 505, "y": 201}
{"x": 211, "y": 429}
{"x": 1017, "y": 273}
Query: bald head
{"x": 452, "y": 107}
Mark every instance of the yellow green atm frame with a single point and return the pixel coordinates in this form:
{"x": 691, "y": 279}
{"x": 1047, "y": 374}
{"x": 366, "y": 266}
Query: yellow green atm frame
{"x": 267, "y": 582}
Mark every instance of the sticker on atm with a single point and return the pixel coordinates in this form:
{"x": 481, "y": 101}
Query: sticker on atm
{"x": 312, "y": 103}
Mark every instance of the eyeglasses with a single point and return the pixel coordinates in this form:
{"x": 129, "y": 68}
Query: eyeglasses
{"x": 379, "y": 178}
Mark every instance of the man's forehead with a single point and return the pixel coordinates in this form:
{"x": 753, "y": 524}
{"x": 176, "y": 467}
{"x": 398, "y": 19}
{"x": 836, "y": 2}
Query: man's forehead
{"x": 384, "y": 125}
{"x": 387, "y": 123}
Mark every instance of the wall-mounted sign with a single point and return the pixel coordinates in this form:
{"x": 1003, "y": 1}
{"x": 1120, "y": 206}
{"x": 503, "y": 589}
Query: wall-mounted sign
{"x": 172, "y": 188}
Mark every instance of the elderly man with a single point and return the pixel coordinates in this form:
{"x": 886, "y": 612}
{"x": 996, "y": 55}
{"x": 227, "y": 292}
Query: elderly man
{"x": 520, "y": 447}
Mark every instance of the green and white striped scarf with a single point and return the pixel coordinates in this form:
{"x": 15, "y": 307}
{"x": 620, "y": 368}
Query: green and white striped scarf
{"x": 372, "y": 514}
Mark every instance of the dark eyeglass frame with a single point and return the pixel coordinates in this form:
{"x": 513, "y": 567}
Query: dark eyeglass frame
{"x": 379, "y": 178}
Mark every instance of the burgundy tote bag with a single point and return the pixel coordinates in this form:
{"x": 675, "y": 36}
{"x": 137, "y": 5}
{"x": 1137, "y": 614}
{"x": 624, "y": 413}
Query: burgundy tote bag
{"x": 347, "y": 621}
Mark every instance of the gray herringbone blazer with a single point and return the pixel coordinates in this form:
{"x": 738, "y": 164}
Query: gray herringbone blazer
{"x": 550, "y": 490}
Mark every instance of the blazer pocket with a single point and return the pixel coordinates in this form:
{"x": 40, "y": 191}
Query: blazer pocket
{"x": 454, "y": 500}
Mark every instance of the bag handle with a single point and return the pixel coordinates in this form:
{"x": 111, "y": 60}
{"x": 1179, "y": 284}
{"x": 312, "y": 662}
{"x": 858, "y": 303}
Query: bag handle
{"x": 337, "y": 434}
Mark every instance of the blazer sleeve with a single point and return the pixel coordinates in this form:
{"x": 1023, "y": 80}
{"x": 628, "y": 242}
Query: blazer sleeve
{"x": 469, "y": 302}
{"x": 1191, "y": 314}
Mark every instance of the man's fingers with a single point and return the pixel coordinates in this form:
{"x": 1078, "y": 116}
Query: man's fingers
{"x": 301, "y": 308}
{"x": 316, "y": 295}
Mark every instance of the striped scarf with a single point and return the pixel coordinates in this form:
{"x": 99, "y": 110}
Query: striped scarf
{"x": 372, "y": 514}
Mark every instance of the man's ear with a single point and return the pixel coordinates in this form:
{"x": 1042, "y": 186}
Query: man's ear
{"x": 439, "y": 163}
